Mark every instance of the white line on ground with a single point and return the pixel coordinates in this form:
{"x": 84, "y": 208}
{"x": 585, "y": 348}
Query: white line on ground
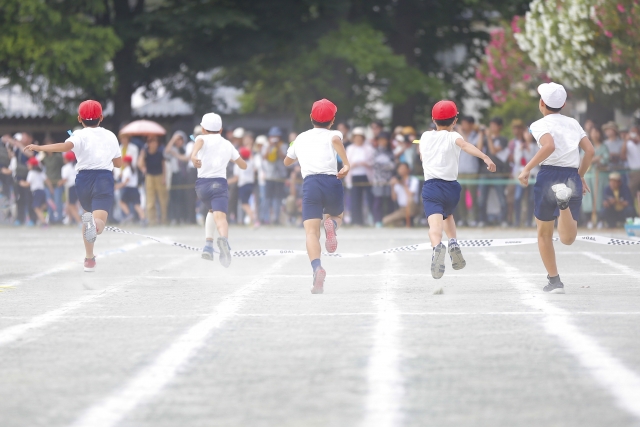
{"x": 12, "y": 333}
{"x": 152, "y": 379}
{"x": 386, "y": 385}
{"x": 621, "y": 267}
{"x": 621, "y": 382}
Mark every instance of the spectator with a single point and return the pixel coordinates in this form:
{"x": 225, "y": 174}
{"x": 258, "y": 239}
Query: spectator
{"x": 129, "y": 194}
{"x": 383, "y": 167}
{"x": 617, "y": 201}
{"x": 245, "y": 180}
{"x": 523, "y": 152}
{"x": 406, "y": 152}
{"x": 376, "y": 127}
{"x": 596, "y": 177}
{"x": 151, "y": 164}
{"x": 68, "y": 182}
{"x": 6, "y": 181}
{"x": 53, "y": 163}
{"x": 258, "y": 163}
{"x": 176, "y": 154}
{"x": 632, "y": 155}
{"x": 345, "y": 129}
{"x": 496, "y": 147}
{"x": 192, "y": 175}
{"x": 128, "y": 148}
{"x": 405, "y": 194}
{"x": 361, "y": 158}
{"x": 467, "y": 213}
{"x": 614, "y": 145}
{"x": 236, "y": 139}
{"x": 35, "y": 181}
{"x": 19, "y": 169}
{"x": 275, "y": 173}
{"x": 588, "y": 125}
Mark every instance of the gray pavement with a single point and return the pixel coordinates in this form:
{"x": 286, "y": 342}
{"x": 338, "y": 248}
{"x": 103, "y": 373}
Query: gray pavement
{"x": 158, "y": 337}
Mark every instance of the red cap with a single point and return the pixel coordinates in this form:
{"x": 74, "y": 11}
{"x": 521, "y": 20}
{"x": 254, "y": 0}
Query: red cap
{"x": 245, "y": 152}
{"x": 90, "y": 110}
{"x": 70, "y": 156}
{"x": 127, "y": 159}
{"x": 33, "y": 161}
{"x": 444, "y": 110}
{"x": 323, "y": 111}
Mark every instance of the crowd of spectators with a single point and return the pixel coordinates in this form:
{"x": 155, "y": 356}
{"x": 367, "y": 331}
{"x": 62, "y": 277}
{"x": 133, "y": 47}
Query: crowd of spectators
{"x": 156, "y": 184}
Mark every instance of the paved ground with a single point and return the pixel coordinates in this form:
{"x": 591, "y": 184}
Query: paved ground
{"x": 158, "y": 337}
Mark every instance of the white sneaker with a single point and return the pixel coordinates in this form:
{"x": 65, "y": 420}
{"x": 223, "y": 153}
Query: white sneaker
{"x": 89, "y": 225}
{"x": 563, "y": 195}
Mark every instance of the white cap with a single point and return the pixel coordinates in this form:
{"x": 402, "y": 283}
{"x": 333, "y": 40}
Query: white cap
{"x": 17, "y": 136}
{"x": 211, "y": 122}
{"x": 358, "y": 131}
{"x": 261, "y": 140}
{"x": 238, "y": 132}
{"x": 553, "y": 94}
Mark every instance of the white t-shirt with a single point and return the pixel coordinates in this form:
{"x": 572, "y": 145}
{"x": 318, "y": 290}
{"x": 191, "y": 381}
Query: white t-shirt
{"x": 401, "y": 194}
{"x": 314, "y": 151}
{"x": 633, "y": 155}
{"x": 440, "y": 154}
{"x": 245, "y": 176}
{"x": 95, "y": 148}
{"x": 69, "y": 175}
{"x": 131, "y": 175}
{"x": 133, "y": 151}
{"x": 187, "y": 152}
{"x": 566, "y": 133}
{"x": 36, "y": 180}
{"x": 216, "y": 153}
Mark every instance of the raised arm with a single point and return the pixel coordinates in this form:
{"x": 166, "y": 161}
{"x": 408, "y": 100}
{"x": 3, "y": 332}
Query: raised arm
{"x": 339, "y": 147}
{"x": 472, "y": 150}
{"x": 61, "y": 147}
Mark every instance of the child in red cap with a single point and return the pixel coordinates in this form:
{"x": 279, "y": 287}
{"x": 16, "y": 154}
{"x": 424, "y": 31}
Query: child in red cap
{"x": 440, "y": 154}
{"x": 68, "y": 175}
{"x": 97, "y": 152}
{"x": 322, "y": 195}
{"x": 35, "y": 181}
{"x": 245, "y": 178}
{"x": 129, "y": 193}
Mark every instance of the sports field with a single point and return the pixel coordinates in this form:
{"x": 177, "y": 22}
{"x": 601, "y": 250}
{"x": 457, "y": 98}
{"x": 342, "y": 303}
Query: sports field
{"x": 158, "y": 337}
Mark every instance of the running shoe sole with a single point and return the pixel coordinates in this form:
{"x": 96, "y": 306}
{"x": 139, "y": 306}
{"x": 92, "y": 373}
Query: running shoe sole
{"x": 225, "y": 252}
{"x": 318, "y": 281}
{"x": 437, "y": 262}
{"x": 89, "y": 270}
{"x": 331, "y": 243}
{"x": 457, "y": 260}
{"x": 557, "y": 291}
{"x": 89, "y": 227}
{"x": 563, "y": 195}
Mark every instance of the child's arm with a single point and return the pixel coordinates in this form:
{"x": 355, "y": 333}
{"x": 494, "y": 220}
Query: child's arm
{"x": 24, "y": 183}
{"x": 122, "y": 184}
{"x": 472, "y": 150}
{"x": 585, "y": 163}
{"x": 547, "y": 147}
{"x": 339, "y": 147}
{"x": 49, "y": 185}
{"x": 117, "y": 162}
{"x": 241, "y": 163}
{"x": 288, "y": 161}
{"x": 197, "y": 146}
{"x": 61, "y": 147}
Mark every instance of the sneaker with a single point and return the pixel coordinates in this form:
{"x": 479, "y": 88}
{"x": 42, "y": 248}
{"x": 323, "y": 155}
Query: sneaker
{"x": 457, "y": 261}
{"x": 437, "y": 261}
{"x": 90, "y": 232}
{"x": 563, "y": 195}
{"x": 225, "y": 252}
{"x": 207, "y": 253}
{"x": 557, "y": 288}
{"x": 331, "y": 243}
{"x": 318, "y": 280}
{"x": 90, "y": 264}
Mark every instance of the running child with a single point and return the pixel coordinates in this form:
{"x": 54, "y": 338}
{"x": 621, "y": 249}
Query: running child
{"x": 246, "y": 179}
{"x": 36, "y": 180}
{"x": 211, "y": 154}
{"x": 68, "y": 180}
{"x": 98, "y": 152}
{"x": 322, "y": 195}
{"x": 560, "y": 182}
{"x": 440, "y": 153}
{"x": 129, "y": 193}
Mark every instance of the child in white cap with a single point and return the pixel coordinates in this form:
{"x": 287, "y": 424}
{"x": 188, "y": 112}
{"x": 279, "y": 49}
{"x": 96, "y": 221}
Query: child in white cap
{"x": 560, "y": 182}
{"x": 211, "y": 154}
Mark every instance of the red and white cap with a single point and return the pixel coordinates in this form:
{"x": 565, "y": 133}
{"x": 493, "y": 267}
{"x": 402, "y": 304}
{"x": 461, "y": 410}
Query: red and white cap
{"x": 553, "y": 94}
{"x": 444, "y": 110}
{"x": 90, "y": 110}
{"x": 323, "y": 111}
{"x": 33, "y": 161}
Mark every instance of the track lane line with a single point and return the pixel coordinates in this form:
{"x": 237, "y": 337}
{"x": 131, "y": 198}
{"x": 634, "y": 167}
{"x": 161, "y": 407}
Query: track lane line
{"x": 627, "y": 271}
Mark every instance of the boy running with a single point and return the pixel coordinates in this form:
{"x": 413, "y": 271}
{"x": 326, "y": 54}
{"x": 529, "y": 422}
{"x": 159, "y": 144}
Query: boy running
{"x": 211, "y": 154}
{"x": 440, "y": 153}
{"x": 97, "y": 151}
{"x": 322, "y": 193}
{"x": 560, "y": 182}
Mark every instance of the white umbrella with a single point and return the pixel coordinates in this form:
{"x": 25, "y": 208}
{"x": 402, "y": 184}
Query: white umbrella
{"x": 143, "y": 127}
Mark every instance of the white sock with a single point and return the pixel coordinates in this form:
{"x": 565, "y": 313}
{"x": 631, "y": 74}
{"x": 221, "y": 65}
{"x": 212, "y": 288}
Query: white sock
{"x": 453, "y": 240}
{"x": 209, "y": 226}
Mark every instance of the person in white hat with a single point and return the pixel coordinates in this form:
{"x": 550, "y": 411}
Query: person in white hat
{"x": 560, "y": 183}
{"x": 211, "y": 154}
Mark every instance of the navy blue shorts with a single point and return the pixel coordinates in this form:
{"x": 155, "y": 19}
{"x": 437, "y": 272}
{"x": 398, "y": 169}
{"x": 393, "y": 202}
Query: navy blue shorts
{"x": 72, "y": 195}
{"x": 39, "y": 198}
{"x": 130, "y": 195}
{"x": 95, "y": 190}
{"x": 244, "y": 193}
{"x": 322, "y": 194}
{"x": 546, "y": 207}
{"x": 214, "y": 193}
{"x": 440, "y": 197}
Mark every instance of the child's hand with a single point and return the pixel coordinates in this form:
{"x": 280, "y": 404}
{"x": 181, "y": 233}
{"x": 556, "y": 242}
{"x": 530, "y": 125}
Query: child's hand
{"x": 197, "y": 163}
{"x": 490, "y": 165}
{"x": 585, "y": 187}
{"x": 31, "y": 147}
{"x": 524, "y": 178}
{"x": 344, "y": 171}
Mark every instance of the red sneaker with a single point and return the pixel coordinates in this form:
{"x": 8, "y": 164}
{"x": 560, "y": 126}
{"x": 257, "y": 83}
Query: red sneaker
{"x": 331, "y": 244}
{"x": 318, "y": 280}
{"x": 90, "y": 264}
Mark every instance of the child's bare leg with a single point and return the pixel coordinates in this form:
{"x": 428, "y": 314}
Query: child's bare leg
{"x": 72, "y": 210}
{"x": 435, "y": 229}
{"x": 450, "y": 227}
{"x": 125, "y": 208}
{"x": 88, "y": 249}
{"x": 312, "y": 230}
{"x": 221, "y": 223}
{"x": 249, "y": 212}
{"x": 567, "y": 227}
{"x": 140, "y": 211}
{"x": 545, "y": 246}
{"x": 40, "y": 214}
{"x": 100, "y": 217}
